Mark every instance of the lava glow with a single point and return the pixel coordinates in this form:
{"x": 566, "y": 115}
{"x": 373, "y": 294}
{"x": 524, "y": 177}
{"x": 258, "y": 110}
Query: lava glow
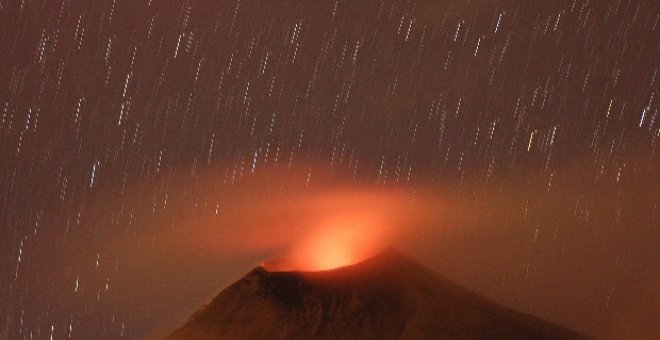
{"x": 332, "y": 251}
{"x": 339, "y": 242}
{"x": 311, "y": 228}
{"x": 340, "y": 238}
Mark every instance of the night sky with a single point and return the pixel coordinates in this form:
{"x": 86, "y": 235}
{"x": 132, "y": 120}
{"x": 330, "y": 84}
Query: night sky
{"x": 533, "y": 126}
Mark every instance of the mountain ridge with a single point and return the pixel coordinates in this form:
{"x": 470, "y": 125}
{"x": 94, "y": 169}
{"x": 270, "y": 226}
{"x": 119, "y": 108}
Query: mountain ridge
{"x": 388, "y": 296}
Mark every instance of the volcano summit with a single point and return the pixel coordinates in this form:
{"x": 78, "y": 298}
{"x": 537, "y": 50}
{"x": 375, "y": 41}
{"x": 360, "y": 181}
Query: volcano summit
{"x": 385, "y": 297}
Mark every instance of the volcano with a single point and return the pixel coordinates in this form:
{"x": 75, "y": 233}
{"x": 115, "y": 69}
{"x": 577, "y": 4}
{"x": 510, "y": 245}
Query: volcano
{"x": 388, "y": 296}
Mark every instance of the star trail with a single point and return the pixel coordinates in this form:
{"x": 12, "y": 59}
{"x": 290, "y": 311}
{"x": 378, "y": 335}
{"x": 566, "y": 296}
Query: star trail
{"x": 120, "y": 119}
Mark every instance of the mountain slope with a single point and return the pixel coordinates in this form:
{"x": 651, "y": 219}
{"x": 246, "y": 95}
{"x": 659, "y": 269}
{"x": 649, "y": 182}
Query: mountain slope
{"x": 385, "y": 297}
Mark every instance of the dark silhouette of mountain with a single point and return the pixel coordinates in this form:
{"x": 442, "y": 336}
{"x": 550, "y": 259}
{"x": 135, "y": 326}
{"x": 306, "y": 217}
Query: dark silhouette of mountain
{"x": 386, "y": 297}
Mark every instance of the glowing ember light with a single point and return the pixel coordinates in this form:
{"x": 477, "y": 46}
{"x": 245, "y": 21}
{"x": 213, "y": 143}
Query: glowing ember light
{"x": 336, "y": 243}
{"x": 334, "y": 248}
{"x": 317, "y": 229}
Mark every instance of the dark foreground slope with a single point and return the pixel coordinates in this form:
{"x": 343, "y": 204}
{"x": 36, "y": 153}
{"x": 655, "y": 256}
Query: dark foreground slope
{"x": 385, "y": 297}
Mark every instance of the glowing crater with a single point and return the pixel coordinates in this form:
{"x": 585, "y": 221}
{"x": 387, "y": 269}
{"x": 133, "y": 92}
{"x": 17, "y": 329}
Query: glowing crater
{"x": 337, "y": 243}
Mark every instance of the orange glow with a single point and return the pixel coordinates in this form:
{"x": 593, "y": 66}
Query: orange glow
{"x": 316, "y": 227}
{"x": 332, "y": 251}
{"x": 336, "y": 242}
